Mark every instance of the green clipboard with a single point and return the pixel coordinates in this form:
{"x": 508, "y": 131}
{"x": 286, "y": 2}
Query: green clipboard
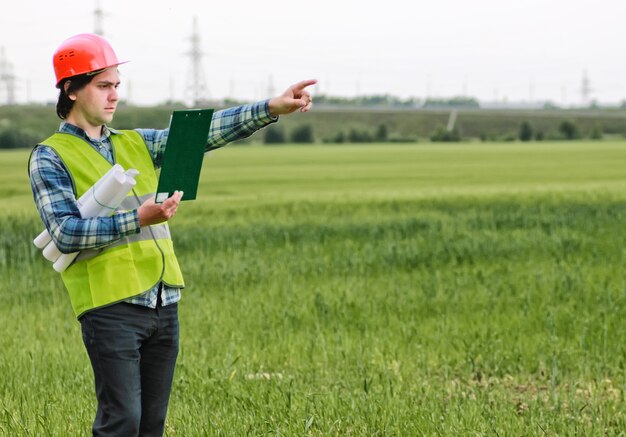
{"x": 184, "y": 150}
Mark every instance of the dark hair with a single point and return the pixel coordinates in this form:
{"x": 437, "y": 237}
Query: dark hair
{"x": 77, "y": 83}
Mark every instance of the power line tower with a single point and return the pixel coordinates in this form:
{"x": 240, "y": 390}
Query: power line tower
{"x": 7, "y": 78}
{"x": 196, "y": 87}
{"x": 585, "y": 89}
{"x": 98, "y": 18}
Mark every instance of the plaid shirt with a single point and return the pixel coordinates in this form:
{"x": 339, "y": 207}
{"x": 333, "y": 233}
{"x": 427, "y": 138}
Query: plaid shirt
{"x": 56, "y": 203}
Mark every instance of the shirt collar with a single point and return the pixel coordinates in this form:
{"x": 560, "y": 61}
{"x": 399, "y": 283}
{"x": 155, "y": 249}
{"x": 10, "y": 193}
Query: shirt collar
{"x": 69, "y": 128}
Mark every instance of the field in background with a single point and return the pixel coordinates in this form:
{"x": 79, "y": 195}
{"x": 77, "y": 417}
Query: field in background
{"x": 361, "y": 290}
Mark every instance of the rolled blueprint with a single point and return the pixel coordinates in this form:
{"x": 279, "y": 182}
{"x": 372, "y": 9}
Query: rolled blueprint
{"x": 51, "y": 252}
{"x": 44, "y": 238}
{"x": 101, "y": 200}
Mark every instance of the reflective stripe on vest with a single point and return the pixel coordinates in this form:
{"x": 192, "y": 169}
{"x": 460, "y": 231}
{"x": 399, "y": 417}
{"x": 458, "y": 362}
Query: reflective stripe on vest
{"x": 135, "y": 263}
{"x": 154, "y": 232}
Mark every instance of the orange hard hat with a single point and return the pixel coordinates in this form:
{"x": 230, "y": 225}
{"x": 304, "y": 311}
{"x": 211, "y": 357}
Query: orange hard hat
{"x": 83, "y": 53}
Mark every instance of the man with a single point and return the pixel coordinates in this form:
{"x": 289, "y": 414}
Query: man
{"x": 125, "y": 286}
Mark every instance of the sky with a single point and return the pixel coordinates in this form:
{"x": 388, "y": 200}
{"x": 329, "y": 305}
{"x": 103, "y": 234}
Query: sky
{"x": 494, "y": 50}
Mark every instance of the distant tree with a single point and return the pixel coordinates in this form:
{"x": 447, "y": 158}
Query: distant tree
{"x": 539, "y": 136}
{"x": 486, "y": 136}
{"x": 402, "y": 139}
{"x": 302, "y": 134}
{"x": 568, "y": 130}
{"x": 14, "y": 139}
{"x": 339, "y": 137}
{"x": 525, "y": 131}
{"x": 274, "y": 135}
{"x": 551, "y": 105}
{"x": 373, "y": 100}
{"x": 596, "y": 132}
{"x": 382, "y": 133}
{"x": 229, "y": 102}
{"x": 508, "y": 137}
{"x": 356, "y": 136}
{"x": 454, "y": 102}
{"x": 441, "y": 134}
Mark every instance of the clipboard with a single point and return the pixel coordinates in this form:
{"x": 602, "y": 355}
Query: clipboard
{"x": 184, "y": 150}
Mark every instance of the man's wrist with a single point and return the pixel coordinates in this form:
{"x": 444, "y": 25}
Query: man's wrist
{"x": 271, "y": 109}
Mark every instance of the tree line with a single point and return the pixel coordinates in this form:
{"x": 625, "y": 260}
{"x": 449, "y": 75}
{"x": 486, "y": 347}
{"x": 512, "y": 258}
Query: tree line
{"x": 567, "y": 130}
{"x": 24, "y": 126}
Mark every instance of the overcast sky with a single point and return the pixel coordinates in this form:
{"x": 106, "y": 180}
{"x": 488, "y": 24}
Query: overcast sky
{"x": 520, "y": 50}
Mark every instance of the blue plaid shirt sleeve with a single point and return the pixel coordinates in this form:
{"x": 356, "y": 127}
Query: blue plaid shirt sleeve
{"x": 227, "y": 125}
{"x": 56, "y": 204}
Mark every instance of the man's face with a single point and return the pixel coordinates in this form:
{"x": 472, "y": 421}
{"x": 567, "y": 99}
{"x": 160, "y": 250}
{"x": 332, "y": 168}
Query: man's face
{"x": 95, "y": 103}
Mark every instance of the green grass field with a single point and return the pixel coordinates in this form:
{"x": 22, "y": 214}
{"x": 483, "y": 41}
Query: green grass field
{"x": 468, "y": 289}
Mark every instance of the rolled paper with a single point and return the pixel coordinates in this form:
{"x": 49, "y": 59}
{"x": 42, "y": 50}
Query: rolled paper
{"x": 64, "y": 261}
{"x": 42, "y": 239}
{"x": 104, "y": 201}
{"x": 51, "y": 252}
{"x": 101, "y": 200}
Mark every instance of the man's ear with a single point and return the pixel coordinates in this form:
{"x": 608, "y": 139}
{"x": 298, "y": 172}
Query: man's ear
{"x": 66, "y": 86}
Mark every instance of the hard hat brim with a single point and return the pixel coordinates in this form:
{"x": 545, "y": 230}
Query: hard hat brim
{"x": 90, "y": 73}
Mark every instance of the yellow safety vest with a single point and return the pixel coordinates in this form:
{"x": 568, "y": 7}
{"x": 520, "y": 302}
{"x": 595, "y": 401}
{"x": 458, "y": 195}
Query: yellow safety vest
{"x": 133, "y": 264}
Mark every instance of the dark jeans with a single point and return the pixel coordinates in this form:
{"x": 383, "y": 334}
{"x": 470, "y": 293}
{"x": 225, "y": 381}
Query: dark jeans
{"x": 133, "y": 352}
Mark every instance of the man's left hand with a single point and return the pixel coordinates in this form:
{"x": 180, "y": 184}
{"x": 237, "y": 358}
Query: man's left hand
{"x": 295, "y": 97}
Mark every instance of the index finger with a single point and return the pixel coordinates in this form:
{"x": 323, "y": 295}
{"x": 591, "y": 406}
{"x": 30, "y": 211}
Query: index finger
{"x": 304, "y": 83}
